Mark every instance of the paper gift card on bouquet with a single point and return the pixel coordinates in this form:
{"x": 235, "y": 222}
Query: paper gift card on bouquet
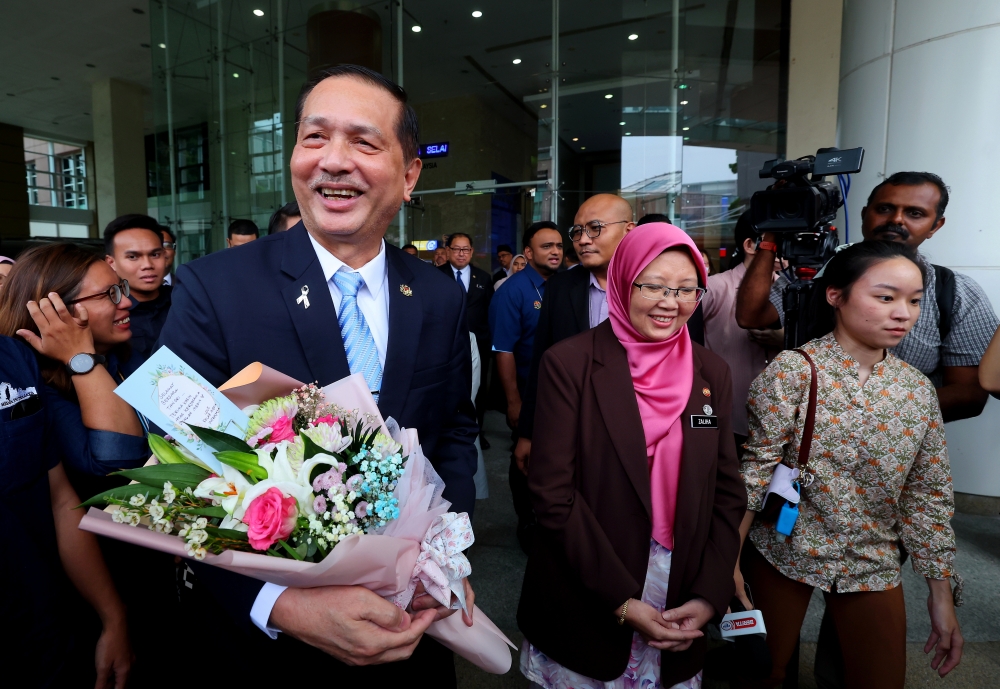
{"x": 172, "y": 395}
{"x": 258, "y": 382}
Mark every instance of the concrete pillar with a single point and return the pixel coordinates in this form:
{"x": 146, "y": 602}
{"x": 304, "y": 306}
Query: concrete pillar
{"x": 13, "y": 184}
{"x": 918, "y": 89}
{"x": 813, "y": 75}
{"x": 119, "y": 150}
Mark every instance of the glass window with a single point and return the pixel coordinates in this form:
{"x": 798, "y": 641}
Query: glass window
{"x": 56, "y": 173}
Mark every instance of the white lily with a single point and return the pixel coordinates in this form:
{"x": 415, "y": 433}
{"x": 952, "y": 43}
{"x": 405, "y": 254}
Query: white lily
{"x": 229, "y": 489}
{"x": 311, "y": 463}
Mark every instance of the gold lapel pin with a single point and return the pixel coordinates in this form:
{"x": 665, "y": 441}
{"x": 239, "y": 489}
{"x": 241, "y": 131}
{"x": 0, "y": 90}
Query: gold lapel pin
{"x": 706, "y": 392}
{"x": 405, "y": 289}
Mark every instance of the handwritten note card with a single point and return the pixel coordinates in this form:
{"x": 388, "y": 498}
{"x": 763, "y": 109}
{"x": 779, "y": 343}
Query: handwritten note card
{"x": 172, "y": 395}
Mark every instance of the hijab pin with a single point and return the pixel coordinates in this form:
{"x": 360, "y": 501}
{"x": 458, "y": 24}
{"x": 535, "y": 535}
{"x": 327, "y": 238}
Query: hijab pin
{"x": 304, "y": 297}
{"x": 405, "y": 289}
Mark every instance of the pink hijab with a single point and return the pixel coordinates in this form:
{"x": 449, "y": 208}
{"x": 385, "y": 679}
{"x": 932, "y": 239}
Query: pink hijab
{"x": 662, "y": 372}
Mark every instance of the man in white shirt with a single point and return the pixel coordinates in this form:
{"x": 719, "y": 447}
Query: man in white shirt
{"x": 353, "y": 164}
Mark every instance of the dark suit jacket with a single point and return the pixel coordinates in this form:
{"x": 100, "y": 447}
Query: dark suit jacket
{"x": 590, "y": 488}
{"x": 238, "y": 306}
{"x": 566, "y": 312}
{"x": 477, "y": 303}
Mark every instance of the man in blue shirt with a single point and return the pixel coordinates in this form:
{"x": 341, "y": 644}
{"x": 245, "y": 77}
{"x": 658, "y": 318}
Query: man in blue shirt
{"x": 514, "y": 315}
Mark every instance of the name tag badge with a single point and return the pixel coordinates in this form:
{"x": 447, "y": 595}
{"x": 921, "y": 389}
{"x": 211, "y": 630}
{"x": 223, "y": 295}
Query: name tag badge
{"x": 704, "y": 421}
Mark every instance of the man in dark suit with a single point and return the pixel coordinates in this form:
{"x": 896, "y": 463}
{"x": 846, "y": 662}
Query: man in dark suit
{"x": 321, "y": 301}
{"x": 575, "y": 300}
{"x": 478, "y": 293}
{"x": 504, "y": 255}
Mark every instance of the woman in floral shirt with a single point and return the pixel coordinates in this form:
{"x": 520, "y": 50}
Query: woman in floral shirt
{"x": 877, "y": 476}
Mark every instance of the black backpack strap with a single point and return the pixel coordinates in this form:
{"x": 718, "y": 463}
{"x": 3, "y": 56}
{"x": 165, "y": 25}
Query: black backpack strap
{"x": 944, "y": 292}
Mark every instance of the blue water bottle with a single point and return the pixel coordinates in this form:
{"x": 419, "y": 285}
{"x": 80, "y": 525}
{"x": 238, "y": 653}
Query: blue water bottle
{"x": 789, "y": 514}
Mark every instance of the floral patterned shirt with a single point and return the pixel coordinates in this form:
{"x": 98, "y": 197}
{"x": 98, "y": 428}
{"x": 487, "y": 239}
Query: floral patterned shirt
{"x": 879, "y": 463}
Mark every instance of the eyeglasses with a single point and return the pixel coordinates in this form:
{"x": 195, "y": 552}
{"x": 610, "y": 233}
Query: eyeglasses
{"x": 460, "y": 249}
{"x": 593, "y": 229}
{"x": 114, "y": 293}
{"x": 658, "y": 292}
{"x": 169, "y": 245}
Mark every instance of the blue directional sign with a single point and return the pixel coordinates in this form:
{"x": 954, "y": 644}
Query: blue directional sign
{"x": 438, "y": 150}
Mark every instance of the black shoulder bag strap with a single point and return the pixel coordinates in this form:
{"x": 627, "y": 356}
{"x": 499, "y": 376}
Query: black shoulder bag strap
{"x": 944, "y": 293}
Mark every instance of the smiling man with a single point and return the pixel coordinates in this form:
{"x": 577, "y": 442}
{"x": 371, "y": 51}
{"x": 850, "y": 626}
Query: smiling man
{"x": 133, "y": 245}
{"x": 319, "y": 302}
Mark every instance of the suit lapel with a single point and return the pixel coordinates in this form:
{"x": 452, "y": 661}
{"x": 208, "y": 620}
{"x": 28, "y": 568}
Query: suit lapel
{"x": 616, "y": 399}
{"x": 316, "y": 326}
{"x": 405, "y": 318}
{"x": 581, "y": 299}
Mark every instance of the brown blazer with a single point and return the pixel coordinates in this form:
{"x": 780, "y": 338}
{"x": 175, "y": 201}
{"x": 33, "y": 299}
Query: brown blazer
{"x": 589, "y": 482}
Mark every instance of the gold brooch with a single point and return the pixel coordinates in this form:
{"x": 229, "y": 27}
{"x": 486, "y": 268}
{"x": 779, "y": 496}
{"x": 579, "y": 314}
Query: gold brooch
{"x": 405, "y": 289}
{"x": 706, "y": 392}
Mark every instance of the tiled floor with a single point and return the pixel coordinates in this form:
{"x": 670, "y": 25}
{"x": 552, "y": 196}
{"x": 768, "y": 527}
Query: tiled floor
{"x": 498, "y": 565}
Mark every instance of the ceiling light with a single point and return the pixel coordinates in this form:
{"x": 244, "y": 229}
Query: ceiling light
{"x": 477, "y": 14}
{"x": 621, "y": 124}
{"x": 576, "y": 138}
{"x": 684, "y": 102}
{"x": 628, "y": 133}
{"x": 236, "y": 75}
{"x": 633, "y": 36}
{"x": 684, "y": 129}
{"x": 543, "y": 105}
{"x": 415, "y": 28}
{"x": 517, "y": 60}
{"x": 259, "y": 13}
{"x": 609, "y": 95}
{"x": 583, "y": 148}
{"x": 687, "y": 138}
{"x": 163, "y": 45}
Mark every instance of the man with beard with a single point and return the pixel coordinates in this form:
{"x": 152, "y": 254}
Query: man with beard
{"x": 947, "y": 342}
{"x": 956, "y": 319}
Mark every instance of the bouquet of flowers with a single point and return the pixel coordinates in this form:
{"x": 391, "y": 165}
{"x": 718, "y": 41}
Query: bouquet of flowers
{"x": 315, "y": 493}
{"x": 307, "y": 475}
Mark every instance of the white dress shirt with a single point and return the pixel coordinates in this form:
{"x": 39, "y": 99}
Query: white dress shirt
{"x": 373, "y": 300}
{"x": 465, "y": 272}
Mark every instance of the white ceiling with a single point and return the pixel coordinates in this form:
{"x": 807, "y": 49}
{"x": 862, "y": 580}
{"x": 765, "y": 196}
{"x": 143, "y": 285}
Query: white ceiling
{"x": 45, "y": 47}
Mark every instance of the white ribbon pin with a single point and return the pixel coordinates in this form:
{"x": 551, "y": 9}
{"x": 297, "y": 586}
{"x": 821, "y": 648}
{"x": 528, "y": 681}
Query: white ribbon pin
{"x": 304, "y": 297}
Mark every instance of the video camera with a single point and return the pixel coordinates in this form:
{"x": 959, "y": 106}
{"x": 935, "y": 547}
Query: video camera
{"x": 800, "y": 208}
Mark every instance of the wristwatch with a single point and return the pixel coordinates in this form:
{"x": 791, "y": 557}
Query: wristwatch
{"x": 84, "y": 363}
{"x": 767, "y": 246}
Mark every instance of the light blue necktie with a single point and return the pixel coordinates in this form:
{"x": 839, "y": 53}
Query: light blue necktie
{"x": 362, "y": 355}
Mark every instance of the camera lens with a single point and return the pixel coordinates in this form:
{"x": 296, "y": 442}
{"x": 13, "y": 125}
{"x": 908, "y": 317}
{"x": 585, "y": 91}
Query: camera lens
{"x": 789, "y": 208}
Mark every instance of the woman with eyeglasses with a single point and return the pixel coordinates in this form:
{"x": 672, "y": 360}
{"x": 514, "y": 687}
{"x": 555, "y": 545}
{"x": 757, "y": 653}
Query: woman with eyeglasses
{"x": 63, "y": 431}
{"x": 635, "y": 485}
{"x": 69, "y": 305}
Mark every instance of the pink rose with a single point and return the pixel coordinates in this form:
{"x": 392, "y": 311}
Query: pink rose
{"x": 270, "y": 517}
{"x": 281, "y": 430}
{"x": 329, "y": 420}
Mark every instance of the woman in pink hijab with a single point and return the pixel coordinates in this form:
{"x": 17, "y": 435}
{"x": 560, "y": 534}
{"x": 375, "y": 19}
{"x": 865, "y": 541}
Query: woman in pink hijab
{"x": 635, "y": 485}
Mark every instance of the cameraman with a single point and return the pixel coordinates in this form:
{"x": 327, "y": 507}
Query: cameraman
{"x": 955, "y": 325}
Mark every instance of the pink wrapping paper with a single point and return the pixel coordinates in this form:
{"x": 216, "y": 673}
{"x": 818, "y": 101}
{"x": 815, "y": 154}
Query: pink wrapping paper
{"x": 382, "y": 563}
